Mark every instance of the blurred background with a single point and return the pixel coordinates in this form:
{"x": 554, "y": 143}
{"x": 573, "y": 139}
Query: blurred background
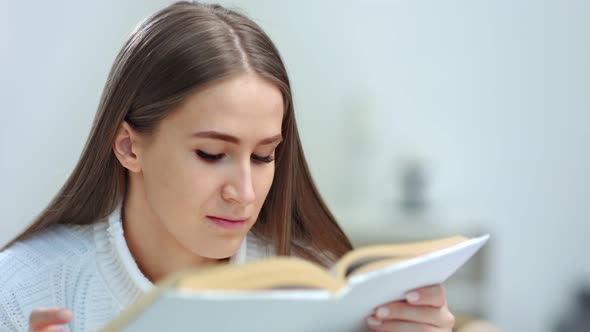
{"x": 418, "y": 118}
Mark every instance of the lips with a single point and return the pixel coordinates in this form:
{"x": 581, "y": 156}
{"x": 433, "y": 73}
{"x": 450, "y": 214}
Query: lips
{"x": 228, "y": 219}
{"x": 228, "y": 223}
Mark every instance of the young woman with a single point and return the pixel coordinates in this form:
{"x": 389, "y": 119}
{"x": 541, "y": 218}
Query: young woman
{"x": 194, "y": 158}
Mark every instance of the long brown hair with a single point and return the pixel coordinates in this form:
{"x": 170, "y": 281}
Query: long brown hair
{"x": 170, "y": 54}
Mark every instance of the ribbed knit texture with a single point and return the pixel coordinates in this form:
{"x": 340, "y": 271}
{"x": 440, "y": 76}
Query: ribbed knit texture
{"x": 88, "y": 269}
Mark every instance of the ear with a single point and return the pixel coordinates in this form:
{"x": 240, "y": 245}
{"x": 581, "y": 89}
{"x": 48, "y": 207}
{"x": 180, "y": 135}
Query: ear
{"x": 126, "y": 146}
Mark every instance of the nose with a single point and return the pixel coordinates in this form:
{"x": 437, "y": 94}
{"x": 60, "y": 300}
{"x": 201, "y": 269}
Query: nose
{"x": 240, "y": 187}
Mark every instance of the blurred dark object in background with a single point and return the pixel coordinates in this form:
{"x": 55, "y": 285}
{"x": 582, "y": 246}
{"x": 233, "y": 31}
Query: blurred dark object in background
{"x": 578, "y": 318}
{"x": 413, "y": 188}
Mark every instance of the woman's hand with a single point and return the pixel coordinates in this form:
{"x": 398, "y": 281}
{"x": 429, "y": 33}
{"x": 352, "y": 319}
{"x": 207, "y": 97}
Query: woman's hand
{"x": 48, "y": 320}
{"x": 424, "y": 310}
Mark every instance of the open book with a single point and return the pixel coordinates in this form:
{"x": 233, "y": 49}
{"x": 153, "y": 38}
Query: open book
{"x": 292, "y": 295}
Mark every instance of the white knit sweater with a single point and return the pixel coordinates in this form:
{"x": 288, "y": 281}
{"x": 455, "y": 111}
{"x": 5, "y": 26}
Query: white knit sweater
{"x": 87, "y": 269}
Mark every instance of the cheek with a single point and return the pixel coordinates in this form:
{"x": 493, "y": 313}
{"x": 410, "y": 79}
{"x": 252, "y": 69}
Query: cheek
{"x": 263, "y": 182}
{"x": 172, "y": 182}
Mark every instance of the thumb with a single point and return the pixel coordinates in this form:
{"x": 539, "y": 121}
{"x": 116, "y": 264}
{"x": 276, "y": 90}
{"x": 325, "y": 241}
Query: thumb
{"x": 45, "y": 317}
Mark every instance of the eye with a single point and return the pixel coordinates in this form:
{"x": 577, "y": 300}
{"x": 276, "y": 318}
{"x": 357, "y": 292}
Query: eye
{"x": 209, "y": 157}
{"x": 265, "y": 159}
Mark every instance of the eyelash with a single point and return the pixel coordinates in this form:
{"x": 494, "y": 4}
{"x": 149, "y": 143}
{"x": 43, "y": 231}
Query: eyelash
{"x": 215, "y": 157}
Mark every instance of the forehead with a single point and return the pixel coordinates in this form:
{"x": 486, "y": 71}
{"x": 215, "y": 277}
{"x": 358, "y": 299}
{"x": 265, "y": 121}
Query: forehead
{"x": 245, "y": 105}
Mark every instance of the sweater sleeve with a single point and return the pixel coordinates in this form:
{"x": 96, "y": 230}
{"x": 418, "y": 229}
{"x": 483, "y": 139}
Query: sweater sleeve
{"x": 6, "y": 323}
{"x": 11, "y": 315}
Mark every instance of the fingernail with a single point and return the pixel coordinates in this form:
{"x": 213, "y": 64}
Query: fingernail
{"x": 412, "y": 297}
{"x": 373, "y": 321}
{"x": 64, "y": 314}
{"x": 382, "y": 312}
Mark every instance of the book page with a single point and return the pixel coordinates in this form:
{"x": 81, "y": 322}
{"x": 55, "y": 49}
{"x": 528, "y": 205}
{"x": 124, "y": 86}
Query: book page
{"x": 273, "y": 273}
{"x": 358, "y": 257}
{"x": 299, "y": 310}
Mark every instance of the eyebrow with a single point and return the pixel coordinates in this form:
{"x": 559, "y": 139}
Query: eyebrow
{"x": 233, "y": 139}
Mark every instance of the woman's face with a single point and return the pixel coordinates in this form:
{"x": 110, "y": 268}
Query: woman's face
{"x": 209, "y": 165}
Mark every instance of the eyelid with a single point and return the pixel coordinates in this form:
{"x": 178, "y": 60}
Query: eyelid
{"x": 215, "y": 157}
{"x": 264, "y": 159}
{"x": 208, "y": 156}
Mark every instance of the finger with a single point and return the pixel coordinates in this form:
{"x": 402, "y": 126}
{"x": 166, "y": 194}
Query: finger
{"x": 51, "y": 329}
{"x": 440, "y": 317}
{"x": 435, "y": 296}
{"x": 42, "y": 318}
{"x": 395, "y": 326}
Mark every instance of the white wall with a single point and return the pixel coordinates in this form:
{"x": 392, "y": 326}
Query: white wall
{"x": 492, "y": 94}
{"x": 54, "y": 60}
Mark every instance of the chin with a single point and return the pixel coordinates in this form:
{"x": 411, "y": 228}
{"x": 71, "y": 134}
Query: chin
{"x": 224, "y": 248}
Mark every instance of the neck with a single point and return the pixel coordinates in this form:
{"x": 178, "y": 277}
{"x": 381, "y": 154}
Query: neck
{"x": 155, "y": 251}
